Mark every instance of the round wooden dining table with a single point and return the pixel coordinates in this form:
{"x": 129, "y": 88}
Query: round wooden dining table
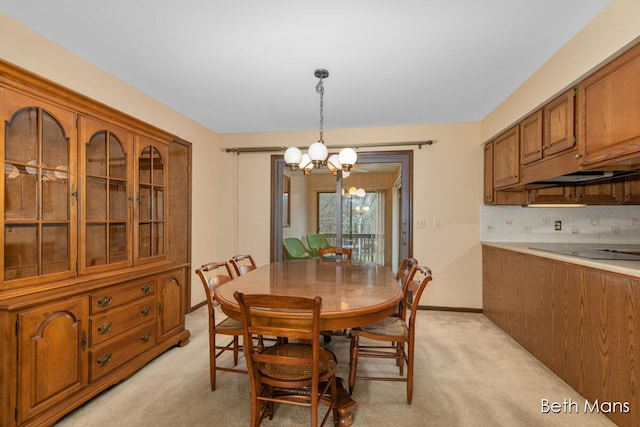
{"x": 353, "y": 294}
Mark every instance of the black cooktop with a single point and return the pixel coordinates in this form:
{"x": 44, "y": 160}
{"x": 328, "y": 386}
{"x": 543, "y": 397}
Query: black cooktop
{"x": 594, "y": 253}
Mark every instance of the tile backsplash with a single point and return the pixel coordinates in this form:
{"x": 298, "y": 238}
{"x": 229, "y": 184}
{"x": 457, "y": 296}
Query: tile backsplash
{"x": 590, "y": 224}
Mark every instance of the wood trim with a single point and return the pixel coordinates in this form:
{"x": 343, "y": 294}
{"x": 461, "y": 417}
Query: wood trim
{"x": 451, "y": 309}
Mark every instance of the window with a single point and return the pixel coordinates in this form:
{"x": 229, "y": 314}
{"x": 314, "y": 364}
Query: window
{"x": 362, "y": 224}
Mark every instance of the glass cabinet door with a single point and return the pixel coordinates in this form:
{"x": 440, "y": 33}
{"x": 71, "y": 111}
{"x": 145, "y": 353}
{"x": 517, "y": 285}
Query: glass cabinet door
{"x": 106, "y": 214}
{"x": 39, "y": 189}
{"x": 152, "y": 185}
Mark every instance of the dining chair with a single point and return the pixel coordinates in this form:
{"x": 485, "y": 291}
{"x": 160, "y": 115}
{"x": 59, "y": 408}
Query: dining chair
{"x": 404, "y": 268}
{"x": 298, "y": 373}
{"x": 406, "y": 265}
{"x": 317, "y": 242}
{"x": 398, "y": 332}
{"x": 294, "y": 249}
{"x": 212, "y": 275}
{"x": 243, "y": 264}
{"x": 331, "y": 254}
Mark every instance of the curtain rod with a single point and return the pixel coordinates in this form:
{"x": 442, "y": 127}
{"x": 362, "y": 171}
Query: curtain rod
{"x": 239, "y": 150}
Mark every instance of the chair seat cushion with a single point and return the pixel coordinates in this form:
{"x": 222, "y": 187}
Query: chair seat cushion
{"x": 295, "y": 373}
{"x": 388, "y": 327}
{"x": 229, "y": 325}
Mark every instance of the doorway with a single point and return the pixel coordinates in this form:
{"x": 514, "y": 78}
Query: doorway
{"x": 398, "y": 220}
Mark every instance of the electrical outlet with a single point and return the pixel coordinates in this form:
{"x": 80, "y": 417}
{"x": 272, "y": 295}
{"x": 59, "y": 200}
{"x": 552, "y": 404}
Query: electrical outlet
{"x": 436, "y": 223}
{"x": 421, "y": 223}
{"x": 558, "y": 226}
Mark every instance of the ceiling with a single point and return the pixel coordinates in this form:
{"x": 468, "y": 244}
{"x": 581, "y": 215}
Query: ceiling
{"x": 248, "y": 65}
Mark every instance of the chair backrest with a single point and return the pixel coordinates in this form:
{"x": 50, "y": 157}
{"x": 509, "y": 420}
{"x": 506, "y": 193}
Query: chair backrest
{"x": 343, "y": 252}
{"x": 414, "y": 284}
{"x": 242, "y": 264}
{"x": 212, "y": 275}
{"x": 271, "y": 315}
{"x": 293, "y": 248}
{"x": 405, "y": 267}
{"x": 317, "y": 241}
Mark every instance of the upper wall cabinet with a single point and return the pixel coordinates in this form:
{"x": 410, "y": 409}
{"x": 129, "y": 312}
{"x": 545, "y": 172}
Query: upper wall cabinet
{"x": 506, "y": 158}
{"x": 559, "y": 122}
{"x": 531, "y": 147}
{"x": 609, "y": 112}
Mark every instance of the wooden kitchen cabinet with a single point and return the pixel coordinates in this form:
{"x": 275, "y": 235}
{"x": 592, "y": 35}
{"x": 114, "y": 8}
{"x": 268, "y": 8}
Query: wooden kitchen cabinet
{"x": 563, "y": 313}
{"x": 491, "y": 195}
{"x": 93, "y": 287}
{"x": 531, "y": 147}
{"x": 488, "y": 174}
{"x": 609, "y": 107}
{"x": 506, "y": 158}
{"x": 597, "y": 193}
{"x": 559, "y": 124}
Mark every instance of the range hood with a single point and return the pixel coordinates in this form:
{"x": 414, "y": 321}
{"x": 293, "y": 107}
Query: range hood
{"x": 586, "y": 176}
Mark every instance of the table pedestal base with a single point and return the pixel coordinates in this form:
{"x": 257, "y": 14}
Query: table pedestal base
{"x": 346, "y": 405}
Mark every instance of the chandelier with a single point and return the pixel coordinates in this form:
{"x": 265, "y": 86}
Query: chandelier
{"x": 318, "y": 154}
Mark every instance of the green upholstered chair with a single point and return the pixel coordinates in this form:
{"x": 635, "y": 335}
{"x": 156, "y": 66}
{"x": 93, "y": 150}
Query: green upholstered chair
{"x": 294, "y": 249}
{"x": 317, "y": 242}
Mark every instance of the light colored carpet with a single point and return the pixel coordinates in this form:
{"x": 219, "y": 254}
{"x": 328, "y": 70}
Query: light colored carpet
{"x": 468, "y": 373}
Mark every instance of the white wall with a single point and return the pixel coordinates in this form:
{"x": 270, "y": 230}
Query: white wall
{"x": 446, "y": 187}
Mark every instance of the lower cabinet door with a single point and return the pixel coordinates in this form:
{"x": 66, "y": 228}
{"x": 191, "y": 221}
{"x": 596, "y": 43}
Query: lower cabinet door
{"x": 171, "y": 291}
{"x": 52, "y": 355}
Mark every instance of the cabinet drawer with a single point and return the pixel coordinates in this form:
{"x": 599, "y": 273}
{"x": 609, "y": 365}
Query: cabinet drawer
{"x": 108, "y": 298}
{"x": 113, "y": 322}
{"x": 105, "y": 358}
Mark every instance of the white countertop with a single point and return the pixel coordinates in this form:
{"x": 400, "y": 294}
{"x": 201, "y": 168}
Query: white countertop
{"x": 629, "y": 268}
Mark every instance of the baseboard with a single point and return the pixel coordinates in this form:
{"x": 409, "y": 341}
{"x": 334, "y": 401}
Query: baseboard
{"x": 458, "y": 309}
{"x": 197, "y": 306}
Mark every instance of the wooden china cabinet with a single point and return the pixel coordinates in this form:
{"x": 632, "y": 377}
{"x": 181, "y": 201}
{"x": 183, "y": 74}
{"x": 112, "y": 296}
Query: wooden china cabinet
{"x": 92, "y": 289}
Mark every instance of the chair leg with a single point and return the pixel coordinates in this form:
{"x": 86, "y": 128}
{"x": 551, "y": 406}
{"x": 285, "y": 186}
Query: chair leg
{"x": 400, "y": 356}
{"x": 353, "y": 363}
{"x": 235, "y": 351}
{"x": 410, "y": 373}
{"x": 212, "y": 359}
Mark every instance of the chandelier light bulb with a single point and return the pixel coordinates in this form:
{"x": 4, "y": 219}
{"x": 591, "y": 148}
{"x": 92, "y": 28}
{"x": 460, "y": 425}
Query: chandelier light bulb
{"x": 360, "y": 192}
{"x": 292, "y": 157}
{"x": 318, "y": 153}
{"x": 333, "y": 163}
{"x": 306, "y": 164}
{"x": 348, "y": 158}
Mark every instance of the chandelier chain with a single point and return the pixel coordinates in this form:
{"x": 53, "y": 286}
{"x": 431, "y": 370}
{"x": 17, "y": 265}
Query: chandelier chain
{"x": 320, "y": 90}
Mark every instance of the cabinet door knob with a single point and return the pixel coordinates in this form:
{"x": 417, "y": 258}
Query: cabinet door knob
{"x": 578, "y": 156}
{"x": 146, "y": 288}
{"x": 146, "y": 310}
{"x": 146, "y": 337}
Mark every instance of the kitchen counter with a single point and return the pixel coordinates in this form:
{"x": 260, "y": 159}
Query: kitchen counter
{"x": 629, "y": 268}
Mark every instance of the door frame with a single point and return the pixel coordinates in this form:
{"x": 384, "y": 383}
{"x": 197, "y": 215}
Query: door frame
{"x": 404, "y": 157}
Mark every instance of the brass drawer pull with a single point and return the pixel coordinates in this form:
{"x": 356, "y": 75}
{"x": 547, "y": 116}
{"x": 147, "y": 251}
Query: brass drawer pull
{"x": 103, "y": 329}
{"x": 105, "y": 360}
{"x": 146, "y": 337}
{"x": 105, "y": 301}
{"x": 148, "y": 288}
{"x": 146, "y": 310}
